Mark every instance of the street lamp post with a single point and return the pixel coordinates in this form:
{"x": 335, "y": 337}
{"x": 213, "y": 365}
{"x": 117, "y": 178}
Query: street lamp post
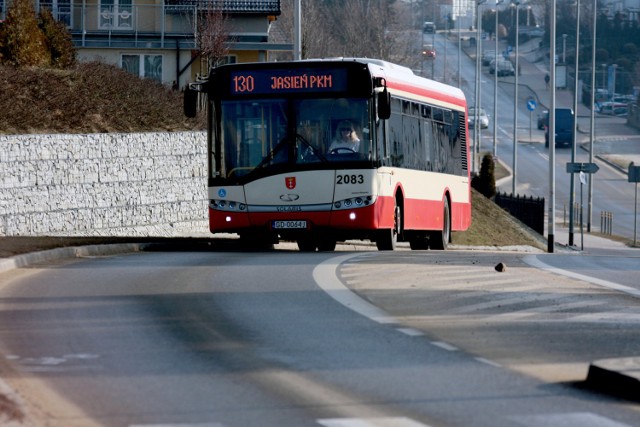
{"x": 495, "y": 88}
{"x": 515, "y": 106}
{"x": 564, "y": 48}
{"x": 459, "y": 52}
{"x": 476, "y": 118}
{"x": 446, "y": 39}
{"x": 575, "y": 126}
{"x": 297, "y": 49}
{"x": 593, "y": 112}
{"x": 551, "y": 223}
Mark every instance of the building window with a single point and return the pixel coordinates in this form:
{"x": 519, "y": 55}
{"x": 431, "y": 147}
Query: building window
{"x": 116, "y": 14}
{"x": 147, "y": 66}
{"x": 60, "y": 9}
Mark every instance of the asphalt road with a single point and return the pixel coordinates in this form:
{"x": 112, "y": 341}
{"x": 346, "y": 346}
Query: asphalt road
{"x": 270, "y": 339}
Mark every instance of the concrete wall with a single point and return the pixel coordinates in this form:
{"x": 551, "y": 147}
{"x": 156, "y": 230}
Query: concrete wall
{"x": 141, "y": 184}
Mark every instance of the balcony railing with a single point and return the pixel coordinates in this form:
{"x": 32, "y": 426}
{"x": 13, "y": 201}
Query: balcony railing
{"x": 141, "y": 26}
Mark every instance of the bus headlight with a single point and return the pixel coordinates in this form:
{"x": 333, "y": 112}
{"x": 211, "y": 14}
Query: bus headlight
{"x": 354, "y": 202}
{"x": 227, "y": 205}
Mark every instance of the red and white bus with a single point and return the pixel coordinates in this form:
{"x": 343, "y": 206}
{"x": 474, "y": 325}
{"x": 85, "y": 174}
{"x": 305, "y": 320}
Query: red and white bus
{"x": 272, "y": 175}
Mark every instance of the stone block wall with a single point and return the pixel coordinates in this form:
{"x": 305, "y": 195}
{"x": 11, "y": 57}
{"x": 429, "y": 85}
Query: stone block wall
{"x": 140, "y": 184}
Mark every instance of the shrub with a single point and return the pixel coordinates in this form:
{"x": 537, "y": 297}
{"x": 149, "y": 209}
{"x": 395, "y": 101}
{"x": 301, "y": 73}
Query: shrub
{"x": 485, "y": 182}
{"x": 59, "y": 42}
{"x": 23, "y": 43}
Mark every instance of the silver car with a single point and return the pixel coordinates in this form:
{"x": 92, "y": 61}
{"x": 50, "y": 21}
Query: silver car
{"x": 483, "y": 118}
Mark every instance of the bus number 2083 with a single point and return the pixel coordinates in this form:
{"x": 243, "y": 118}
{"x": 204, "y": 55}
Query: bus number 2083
{"x": 350, "y": 179}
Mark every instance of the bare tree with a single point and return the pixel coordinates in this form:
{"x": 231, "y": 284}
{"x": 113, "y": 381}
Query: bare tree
{"x": 213, "y": 36}
{"x": 354, "y": 28}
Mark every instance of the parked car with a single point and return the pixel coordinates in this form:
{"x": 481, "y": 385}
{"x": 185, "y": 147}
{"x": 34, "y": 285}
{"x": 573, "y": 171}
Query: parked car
{"x": 483, "y": 118}
{"x": 563, "y": 128}
{"x": 543, "y": 119}
{"x": 504, "y": 67}
{"x": 488, "y": 56}
{"x": 613, "y": 108}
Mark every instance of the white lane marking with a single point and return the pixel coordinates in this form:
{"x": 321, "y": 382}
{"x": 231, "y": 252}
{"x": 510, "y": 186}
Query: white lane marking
{"x": 488, "y": 362}
{"x": 326, "y": 278}
{"x": 533, "y": 261}
{"x": 444, "y": 345}
{"x": 411, "y": 332}
{"x": 370, "y": 422}
{"x": 576, "y": 419}
{"x": 178, "y": 425}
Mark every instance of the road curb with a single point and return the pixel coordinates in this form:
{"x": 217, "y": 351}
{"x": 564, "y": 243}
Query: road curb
{"x": 25, "y": 260}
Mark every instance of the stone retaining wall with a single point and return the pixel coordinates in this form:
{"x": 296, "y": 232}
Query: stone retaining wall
{"x": 140, "y": 184}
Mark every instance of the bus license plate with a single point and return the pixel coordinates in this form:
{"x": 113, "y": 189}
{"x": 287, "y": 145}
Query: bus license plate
{"x": 279, "y": 225}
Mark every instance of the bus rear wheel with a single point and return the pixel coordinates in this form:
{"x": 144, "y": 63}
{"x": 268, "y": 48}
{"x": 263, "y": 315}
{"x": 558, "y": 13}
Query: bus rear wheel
{"x": 419, "y": 242}
{"x": 439, "y": 240}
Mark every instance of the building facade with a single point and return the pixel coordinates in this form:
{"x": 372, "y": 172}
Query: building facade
{"x": 157, "y": 39}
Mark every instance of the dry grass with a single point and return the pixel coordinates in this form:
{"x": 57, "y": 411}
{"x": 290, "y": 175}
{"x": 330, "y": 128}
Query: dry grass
{"x": 10, "y": 411}
{"x": 493, "y": 226}
{"x": 93, "y": 98}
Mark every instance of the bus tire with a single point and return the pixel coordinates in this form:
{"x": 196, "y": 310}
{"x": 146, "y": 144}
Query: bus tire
{"x": 307, "y": 244}
{"x": 439, "y": 240}
{"x": 256, "y": 242}
{"x": 419, "y": 242}
{"x": 327, "y": 244}
{"x": 387, "y": 239}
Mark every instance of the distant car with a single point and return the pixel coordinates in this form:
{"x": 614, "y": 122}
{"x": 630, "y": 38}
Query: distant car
{"x": 613, "y": 108}
{"x": 504, "y": 67}
{"x": 483, "y": 118}
{"x": 428, "y": 51}
{"x": 488, "y": 56}
{"x": 543, "y": 119}
{"x": 429, "y": 28}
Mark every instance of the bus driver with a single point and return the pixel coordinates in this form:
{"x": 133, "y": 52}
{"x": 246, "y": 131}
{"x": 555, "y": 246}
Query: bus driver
{"x": 346, "y": 139}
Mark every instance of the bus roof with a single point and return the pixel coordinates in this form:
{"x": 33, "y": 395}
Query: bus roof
{"x": 402, "y": 80}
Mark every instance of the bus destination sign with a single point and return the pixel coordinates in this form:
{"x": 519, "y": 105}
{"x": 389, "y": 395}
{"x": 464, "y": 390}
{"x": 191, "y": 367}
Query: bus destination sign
{"x": 288, "y": 81}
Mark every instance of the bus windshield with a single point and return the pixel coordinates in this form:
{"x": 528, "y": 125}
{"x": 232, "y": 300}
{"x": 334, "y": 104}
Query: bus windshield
{"x": 259, "y": 134}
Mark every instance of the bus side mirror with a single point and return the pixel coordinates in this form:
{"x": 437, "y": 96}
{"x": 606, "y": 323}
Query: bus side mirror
{"x": 384, "y": 104}
{"x": 190, "y": 102}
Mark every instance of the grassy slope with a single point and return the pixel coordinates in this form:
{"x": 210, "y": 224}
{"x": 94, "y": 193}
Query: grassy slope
{"x": 492, "y": 226}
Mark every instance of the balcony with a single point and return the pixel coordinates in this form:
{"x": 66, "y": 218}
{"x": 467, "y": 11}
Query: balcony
{"x": 172, "y": 25}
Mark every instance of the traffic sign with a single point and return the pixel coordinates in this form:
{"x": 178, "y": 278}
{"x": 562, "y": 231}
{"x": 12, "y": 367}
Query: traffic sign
{"x": 582, "y": 167}
{"x": 531, "y": 104}
{"x": 583, "y": 178}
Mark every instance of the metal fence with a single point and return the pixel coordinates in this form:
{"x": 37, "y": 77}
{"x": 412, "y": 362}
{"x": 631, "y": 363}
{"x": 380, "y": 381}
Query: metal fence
{"x": 529, "y": 210}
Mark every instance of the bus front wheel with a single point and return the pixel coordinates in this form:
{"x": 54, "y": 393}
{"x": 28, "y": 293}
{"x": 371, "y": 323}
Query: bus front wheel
{"x": 327, "y": 244}
{"x": 307, "y": 244}
{"x": 387, "y": 239}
